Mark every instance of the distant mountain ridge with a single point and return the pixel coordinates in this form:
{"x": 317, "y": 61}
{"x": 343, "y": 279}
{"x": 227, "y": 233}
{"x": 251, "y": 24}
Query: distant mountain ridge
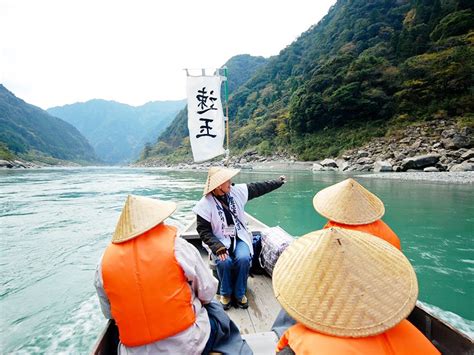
{"x": 117, "y": 131}
{"x": 33, "y": 134}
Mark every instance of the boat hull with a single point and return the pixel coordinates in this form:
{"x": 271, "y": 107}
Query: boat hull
{"x": 446, "y": 338}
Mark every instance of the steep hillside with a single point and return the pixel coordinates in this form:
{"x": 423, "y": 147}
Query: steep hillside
{"x": 368, "y": 65}
{"x": 32, "y": 134}
{"x": 240, "y": 69}
{"x": 365, "y": 66}
{"x": 173, "y": 144}
{"x": 118, "y": 132}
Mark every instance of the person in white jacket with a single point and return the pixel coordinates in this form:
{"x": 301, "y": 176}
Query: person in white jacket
{"x": 221, "y": 225}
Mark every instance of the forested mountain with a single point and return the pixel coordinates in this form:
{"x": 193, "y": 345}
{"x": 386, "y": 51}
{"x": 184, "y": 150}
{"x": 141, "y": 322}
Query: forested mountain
{"x": 241, "y": 68}
{"x": 367, "y": 66}
{"x": 173, "y": 142}
{"x": 118, "y": 132}
{"x": 32, "y": 134}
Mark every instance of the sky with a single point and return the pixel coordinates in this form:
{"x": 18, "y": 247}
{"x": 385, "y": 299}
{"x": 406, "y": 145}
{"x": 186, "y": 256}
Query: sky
{"x": 57, "y": 52}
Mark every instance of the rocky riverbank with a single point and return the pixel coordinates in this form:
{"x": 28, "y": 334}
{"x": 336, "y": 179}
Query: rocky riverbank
{"x": 436, "y": 146}
{"x": 250, "y": 159}
{"x": 17, "y": 164}
{"x": 427, "y": 147}
{"x": 23, "y": 164}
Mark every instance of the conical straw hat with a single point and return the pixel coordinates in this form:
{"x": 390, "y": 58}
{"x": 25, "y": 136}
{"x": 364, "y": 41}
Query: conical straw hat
{"x": 345, "y": 283}
{"x": 216, "y": 176}
{"x": 348, "y": 202}
{"x": 139, "y": 215}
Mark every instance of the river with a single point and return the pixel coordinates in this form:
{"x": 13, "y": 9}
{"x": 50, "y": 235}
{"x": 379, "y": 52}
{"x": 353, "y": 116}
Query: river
{"x": 55, "y": 223}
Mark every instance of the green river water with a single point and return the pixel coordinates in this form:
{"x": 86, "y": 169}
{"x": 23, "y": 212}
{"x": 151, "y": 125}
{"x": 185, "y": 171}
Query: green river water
{"x": 55, "y": 223}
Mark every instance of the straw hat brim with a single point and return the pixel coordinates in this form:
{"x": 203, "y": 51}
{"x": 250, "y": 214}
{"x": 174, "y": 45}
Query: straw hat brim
{"x": 348, "y": 202}
{"x": 217, "y": 176}
{"x": 139, "y": 215}
{"x": 345, "y": 283}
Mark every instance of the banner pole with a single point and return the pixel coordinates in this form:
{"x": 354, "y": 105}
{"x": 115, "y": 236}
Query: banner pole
{"x": 227, "y": 117}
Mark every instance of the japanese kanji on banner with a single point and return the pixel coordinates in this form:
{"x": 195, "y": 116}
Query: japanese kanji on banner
{"x": 205, "y": 117}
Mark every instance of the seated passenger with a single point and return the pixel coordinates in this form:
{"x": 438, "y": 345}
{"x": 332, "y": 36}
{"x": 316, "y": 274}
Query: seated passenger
{"x": 221, "y": 225}
{"x": 349, "y": 205}
{"x": 156, "y": 286}
{"x": 349, "y": 293}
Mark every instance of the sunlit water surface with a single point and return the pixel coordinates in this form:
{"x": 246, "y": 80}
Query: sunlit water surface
{"x": 55, "y": 223}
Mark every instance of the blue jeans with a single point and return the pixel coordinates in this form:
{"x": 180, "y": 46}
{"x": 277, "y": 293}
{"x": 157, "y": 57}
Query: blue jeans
{"x": 234, "y": 271}
{"x": 225, "y": 337}
{"x": 212, "y": 337}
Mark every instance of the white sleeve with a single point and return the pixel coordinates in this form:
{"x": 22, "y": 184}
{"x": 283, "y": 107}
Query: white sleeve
{"x": 99, "y": 287}
{"x": 242, "y": 191}
{"x": 203, "y": 209}
{"x": 203, "y": 284}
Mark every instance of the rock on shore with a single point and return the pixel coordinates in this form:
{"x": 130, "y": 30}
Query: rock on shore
{"x": 426, "y": 147}
{"x": 16, "y": 164}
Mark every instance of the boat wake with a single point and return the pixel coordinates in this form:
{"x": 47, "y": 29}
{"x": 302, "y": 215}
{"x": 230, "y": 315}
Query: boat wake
{"x": 73, "y": 335}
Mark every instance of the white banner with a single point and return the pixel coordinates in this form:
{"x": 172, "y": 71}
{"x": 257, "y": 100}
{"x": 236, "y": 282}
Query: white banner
{"x": 205, "y": 117}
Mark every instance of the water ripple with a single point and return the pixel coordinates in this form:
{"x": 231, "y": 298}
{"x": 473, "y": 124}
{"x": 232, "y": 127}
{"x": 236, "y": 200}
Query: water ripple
{"x": 55, "y": 224}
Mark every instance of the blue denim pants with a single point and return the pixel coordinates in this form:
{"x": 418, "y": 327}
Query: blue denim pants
{"x": 234, "y": 271}
{"x": 225, "y": 337}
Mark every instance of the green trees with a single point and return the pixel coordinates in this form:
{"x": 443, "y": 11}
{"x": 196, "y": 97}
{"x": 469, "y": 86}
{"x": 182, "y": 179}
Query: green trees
{"x": 31, "y": 133}
{"x": 453, "y": 24}
{"x": 347, "y": 89}
{"x": 146, "y": 151}
{"x": 366, "y": 63}
{"x": 5, "y": 153}
{"x": 438, "y": 81}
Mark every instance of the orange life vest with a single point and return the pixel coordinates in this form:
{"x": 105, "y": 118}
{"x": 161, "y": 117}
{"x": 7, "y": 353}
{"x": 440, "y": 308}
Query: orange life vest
{"x": 377, "y": 228}
{"x": 403, "y": 339}
{"x": 149, "y": 295}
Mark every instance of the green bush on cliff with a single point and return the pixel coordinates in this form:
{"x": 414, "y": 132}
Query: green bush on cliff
{"x": 5, "y": 153}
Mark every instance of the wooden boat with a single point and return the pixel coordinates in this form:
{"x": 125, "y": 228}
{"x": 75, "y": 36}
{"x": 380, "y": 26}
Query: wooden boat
{"x": 256, "y": 321}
